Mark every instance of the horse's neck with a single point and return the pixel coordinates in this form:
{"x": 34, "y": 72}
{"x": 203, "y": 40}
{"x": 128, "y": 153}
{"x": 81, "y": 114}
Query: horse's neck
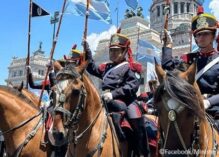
{"x": 32, "y": 97}
{"x": 13, "y": 110}
{"x": 93, "y": 103}
{"x": 205, "y": 134}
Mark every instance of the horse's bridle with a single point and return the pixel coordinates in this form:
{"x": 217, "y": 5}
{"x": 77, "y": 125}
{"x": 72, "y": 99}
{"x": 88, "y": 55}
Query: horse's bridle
{"x": 174, "y": 108}
{"x": 74, "y": 116}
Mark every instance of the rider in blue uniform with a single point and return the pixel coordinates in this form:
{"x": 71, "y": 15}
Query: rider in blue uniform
{"x": 121, "y": 80}
{"x": 204, "y": 28}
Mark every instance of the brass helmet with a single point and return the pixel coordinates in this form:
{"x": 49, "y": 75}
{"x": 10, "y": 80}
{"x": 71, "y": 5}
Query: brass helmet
{"x": 203, "y": 22}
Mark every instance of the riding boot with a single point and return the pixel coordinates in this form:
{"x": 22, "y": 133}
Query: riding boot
{"x": 141, "y": 136}
{"x": 116, "y": 117}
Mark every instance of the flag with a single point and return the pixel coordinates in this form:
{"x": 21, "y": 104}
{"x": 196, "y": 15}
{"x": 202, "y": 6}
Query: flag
{"x": 151, "y": 73}
{"x": 38, "y": 11}
{"x": 98, "y": 9}
{"x": 147, "y": 52}
{"x": 132, "y": 3}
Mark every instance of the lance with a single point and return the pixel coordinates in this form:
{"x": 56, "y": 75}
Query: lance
{"x": 53, "y": 49}
{"x": 28, "y": 44}
{"x": 167, "y": 10}
{"x": 85, "y": 27}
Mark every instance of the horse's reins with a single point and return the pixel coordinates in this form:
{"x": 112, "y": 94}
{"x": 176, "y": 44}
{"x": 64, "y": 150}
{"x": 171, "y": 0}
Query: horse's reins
{"x": 29, "y": 136}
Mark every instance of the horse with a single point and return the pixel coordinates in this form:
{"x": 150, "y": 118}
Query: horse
{"x": 81, "y": 118}
{"x": 21, "y": 124}
{"x": 185, "y": 128}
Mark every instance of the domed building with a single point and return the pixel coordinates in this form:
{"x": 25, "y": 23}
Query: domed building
{"x": 179, "y": 21}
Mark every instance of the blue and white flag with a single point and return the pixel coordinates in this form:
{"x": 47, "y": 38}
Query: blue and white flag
{"x": 98, "y": 9}
{"x": 132, "y": 3}
{"x": 147, "y": 52}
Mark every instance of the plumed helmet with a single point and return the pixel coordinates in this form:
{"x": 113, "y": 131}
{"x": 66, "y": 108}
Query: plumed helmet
{"x": 203, "y": 22}
{"x": 74, "y": 54}
{"x": 119, "y": 40}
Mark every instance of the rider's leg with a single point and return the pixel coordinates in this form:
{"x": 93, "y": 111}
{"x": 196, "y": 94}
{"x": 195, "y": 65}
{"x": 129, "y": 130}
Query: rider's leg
{"x": 138, "y": 124}
{"x": 117, "y": 109}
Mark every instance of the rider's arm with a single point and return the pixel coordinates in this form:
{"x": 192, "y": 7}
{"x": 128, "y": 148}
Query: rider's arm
{"x": 92, "y": 68}
{"x": 167, "y": 59}
{"x": 214, "y": 100}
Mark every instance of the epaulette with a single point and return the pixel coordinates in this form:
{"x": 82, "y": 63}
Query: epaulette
{"x": 102, "y": 67}
{"x": 189, "y": 58}
{"x": 136, "y": 67}
{"x": 45, "y": 82}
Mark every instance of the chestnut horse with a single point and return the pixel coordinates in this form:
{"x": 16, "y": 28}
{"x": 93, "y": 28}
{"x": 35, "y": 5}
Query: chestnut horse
{"x": 185, "y": 128}
{"x": 21, "y": 124}
{"x": 81, "y": 118}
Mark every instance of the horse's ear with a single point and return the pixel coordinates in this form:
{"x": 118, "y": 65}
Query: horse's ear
{"x": 159, "y": 71}
{"x": 189, "y": 74}
{"x": 57, "y": 66}
{"x": 81, "y": 68}
{"x": 21, "y": 86}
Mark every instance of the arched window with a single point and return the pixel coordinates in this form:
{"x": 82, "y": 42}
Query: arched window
{"x": 188, "y": 7}
{"x": 158, "y": 11}
{"x": 182, "y": 6}
{"x": 163, "y": 6}
{"x": 175, "y": 7}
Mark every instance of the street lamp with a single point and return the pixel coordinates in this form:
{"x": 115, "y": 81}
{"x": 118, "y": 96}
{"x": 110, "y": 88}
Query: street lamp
{"x": 54, "y": 19}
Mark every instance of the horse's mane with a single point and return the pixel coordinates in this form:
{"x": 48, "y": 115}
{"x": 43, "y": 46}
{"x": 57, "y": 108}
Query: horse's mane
{"x": 87, "y": 79}
{"x": 18, "y": 94}
{"x": 181, "y": 91}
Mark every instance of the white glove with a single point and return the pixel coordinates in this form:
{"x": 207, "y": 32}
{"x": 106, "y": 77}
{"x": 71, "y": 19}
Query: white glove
{"x": 107, "y": 96}
{"x": 28, "y": 67}
{"x": 166, "y": 37}
{"x": 49, "y": 64}
{"x": 207, "y": 103}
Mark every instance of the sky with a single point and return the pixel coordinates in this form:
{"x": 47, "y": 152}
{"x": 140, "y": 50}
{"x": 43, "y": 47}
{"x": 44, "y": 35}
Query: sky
{"x": 14, "y": 28}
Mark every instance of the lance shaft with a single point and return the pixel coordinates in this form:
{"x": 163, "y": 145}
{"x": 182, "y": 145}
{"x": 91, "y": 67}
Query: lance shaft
{"x": 53, "y": 49}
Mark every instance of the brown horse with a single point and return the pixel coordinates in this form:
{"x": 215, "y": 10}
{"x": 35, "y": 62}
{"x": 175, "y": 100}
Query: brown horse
{"x": 185, "y": 129}
{"x": 21, "y": 124}
{"x": 84, "y": 122}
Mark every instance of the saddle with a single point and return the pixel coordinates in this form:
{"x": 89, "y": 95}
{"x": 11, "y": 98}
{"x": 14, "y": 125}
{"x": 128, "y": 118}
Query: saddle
{"x": 123, "y": 127}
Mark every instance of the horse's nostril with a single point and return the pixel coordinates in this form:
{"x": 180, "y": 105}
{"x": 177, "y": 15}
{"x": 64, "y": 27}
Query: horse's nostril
{"x": 58, "y": 135}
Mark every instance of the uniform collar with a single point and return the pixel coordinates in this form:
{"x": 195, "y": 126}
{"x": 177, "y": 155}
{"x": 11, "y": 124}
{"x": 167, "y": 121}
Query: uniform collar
{"x": 207, "y": 54}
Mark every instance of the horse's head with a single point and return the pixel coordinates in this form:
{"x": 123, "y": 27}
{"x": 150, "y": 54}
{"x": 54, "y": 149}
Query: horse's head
{"x": 179, "y": 105}
{"x": 69, "y": 100}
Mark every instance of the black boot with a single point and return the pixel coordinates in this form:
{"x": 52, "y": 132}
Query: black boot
{"x": 116, "y": 117}
{"x": 140, "y": 134}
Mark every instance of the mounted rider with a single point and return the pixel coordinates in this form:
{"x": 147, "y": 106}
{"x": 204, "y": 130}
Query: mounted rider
{"x": 204, "y": 28}
{"x": 120, "y": 82}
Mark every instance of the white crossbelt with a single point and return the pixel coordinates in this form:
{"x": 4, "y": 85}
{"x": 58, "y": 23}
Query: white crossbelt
{"x": 117, "y": 66}
{"x": 206, "y": 68}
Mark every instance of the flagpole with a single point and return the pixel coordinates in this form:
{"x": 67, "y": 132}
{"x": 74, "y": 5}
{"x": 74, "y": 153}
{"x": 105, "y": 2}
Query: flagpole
{"x": 85, "y": 27}
{"x": 28, "y": 44}
{"x": 117, "y": 14}
{"x": 53, "y": 49}
{"x": 137, "y": 43}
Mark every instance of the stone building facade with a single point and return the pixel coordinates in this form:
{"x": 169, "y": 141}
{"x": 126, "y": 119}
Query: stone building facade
{"x": 17, "y": 68}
